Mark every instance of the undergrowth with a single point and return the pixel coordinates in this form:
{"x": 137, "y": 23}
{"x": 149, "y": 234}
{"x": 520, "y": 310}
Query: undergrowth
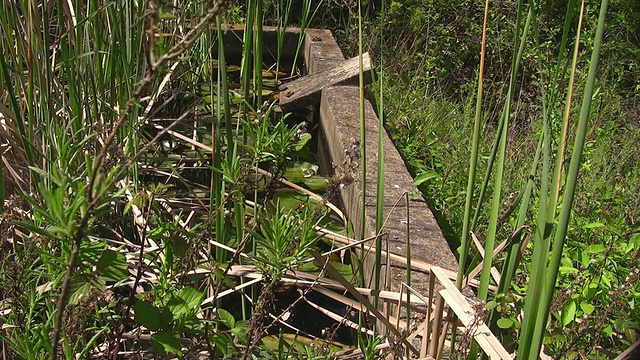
{"x": 142, "y": 206}
{"x": 431, "y": 54}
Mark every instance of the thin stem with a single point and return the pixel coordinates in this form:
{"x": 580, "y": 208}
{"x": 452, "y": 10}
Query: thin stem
{"x": 473, "y": 161}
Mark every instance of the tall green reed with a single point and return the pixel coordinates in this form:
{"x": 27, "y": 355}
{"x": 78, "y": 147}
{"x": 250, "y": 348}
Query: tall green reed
{"x": 283, "y": 10}
{"x": 248, "y": 45}
{"x": 307, "y": 16}
{"x": 380, "y": 174}
{"x": 72, "y": 96}
{"x": 363, "y": 139}
{"x": 76, "y": 116}
{"x": 531, "y": 343}
{"x": 544, "y": 264}
{"x": 519, "y": 43}
{"x": 257, "y": 53}
{"x": 473, "y": 161}
{"x": 223, "y": 118}
{"x": 473, "y": 157}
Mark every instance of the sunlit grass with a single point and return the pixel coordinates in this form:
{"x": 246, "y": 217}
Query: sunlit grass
{"x": 78, "y": 104}
{"x": 416, "y": 123}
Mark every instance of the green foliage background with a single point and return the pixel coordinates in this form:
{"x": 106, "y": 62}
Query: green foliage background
{"x": 430, "y": 50}
{"x": 431, "y": 54}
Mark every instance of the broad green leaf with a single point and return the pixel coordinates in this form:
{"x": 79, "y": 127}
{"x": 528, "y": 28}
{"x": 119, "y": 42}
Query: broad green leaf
{"x": 140, "y": 200}
{"x": 227, "y": 318}
{"x": 424, "y": 177}
{"x": 165, "y": 342}
{"x": 628, "y": 247}
{"x": 594, "y": 225}
{"x": 633, "y": 244}
{"x": 567, "y": 269}
{"x": 597, "y": 248}
{"x": 568, "y": 313}
{"x": 235, "y": 98}
{"x": 90, "y": 251}
{"x": 292, "y": 199}
{"x": 345, "y": 270}
{"x": 605, "y": 278}
{"x": 80, "y": 286}
{"x": 590, "y": 291}
{"x": 185, "y": 301}
{"x": 587, "y": 308}
{"x": 332, "y": 225}
{"x": 240, "y": 330}
{"x": 148, "y": 315}
{"x": 222, "y": 343}
{"x": 298, "y": 171}
{"x": 303, "y": 139}
{"x": 298, "y": 343}
{"x": 316, "y": 183}
{"x": 585, "y": 259}
{"x": 566, "y": 262}
{"x": 127, "y": 207}
{"x": 179, "y": 245}
{"x": 113, "y": 266}
{"x": 504, "y": 323}
{"x": 491, "y": 304}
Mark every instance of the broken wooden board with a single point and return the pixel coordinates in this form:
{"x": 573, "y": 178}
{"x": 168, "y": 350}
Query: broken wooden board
{"x": 307, "y": 90}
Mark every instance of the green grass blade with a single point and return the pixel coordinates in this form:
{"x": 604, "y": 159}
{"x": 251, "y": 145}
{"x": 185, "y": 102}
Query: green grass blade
{"x": 380, "y": 177}
{"x": 246, "y": 67}
{"x": 540, "y": 250}
{"x": 473, "y": 158}
{"x": 571, "y": 183}
{"x": 363, "y": 144}
{"x": 513, "y": 252}
{"x": 493, "y": 219}
{"x": 257, "y": 54}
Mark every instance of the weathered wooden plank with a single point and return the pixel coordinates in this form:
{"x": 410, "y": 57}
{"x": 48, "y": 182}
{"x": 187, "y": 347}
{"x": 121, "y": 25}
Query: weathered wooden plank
{"x": 465, "y": 312}
{"x": 308, "y": 89}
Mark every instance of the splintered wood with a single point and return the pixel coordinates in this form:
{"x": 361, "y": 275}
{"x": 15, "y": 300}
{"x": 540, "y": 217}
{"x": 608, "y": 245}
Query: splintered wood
{"x": 308, "y": 89}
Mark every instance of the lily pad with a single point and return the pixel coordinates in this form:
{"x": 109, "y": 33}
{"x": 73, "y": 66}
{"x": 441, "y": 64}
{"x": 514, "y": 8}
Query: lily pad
{"x": 299, "y": 343}
{"x": 306, "y": 173}
{"x": 345, "y": 270}
{"x": 334, "y": 225}
{"x": 292, "y": 199}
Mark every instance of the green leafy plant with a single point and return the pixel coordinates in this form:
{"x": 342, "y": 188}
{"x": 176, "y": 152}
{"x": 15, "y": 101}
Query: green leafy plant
{"x": 283, "y": 240}
{"x": 430, "y": 124}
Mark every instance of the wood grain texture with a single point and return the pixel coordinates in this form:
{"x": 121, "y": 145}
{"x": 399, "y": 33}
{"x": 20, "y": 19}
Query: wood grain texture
{"x": 307, "y": 90}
